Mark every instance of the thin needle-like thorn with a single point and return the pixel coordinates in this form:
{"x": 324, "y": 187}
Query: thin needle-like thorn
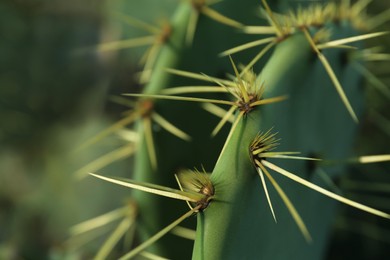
{"x": 328, "y": 180}
{"x": 359, "y": 6}
{"x": 122, "y": 101}
{"x": 193, "y": 21}
{"x": 198, "y": 76}
{"x": 325, "y": 192}
{"x": 240, "y": 82}
{"x": 137, "y": 23}
{"x": 97, "y": 222}
{"x": 260, "y": 150}
{"x": 268, "y": 101}
{"x": 220, "y": 18}
{"x": 284, "y": 156}
{"x": 370, "y": 159}
{"x": 371, "y": 78}
{"x": 338, "y": 47}
{"x": 343, "y": 41}
{"x": 216, "y": 110}
{"x": 150, "y": 61}
{"x": 363, "y": 159}
{"x": 272, "y": 154}
{"x": 153, "y": 188}
{"x": 332, "y": 76}
{"x": 157, "y": 236}
{"x": 235, "y": 69}
{"x": 258, "y": 57}
{"x": 259, "y": 30}
{"x": 290, "y": 206}
{"x": 191, "y": 99}
{"x": 183, "y": 232}
{"x": 234, "y": 126}
{"x": 379, "y": 19}
{"x": 246, "y": 46}
{"x": 147, "y": 126}
{"x": 116, "y": 126}
{"x": 223, "y": 121}
{"x": 193, "y": 89}
{"x": 228, "y": 88}
{"x": 377, "y": 57}
{"x": 128, "y": 135}
{"x": 273, "y": 21}
{"x": 113, "y": 239}
{"x": 266, "y": 191}
{"x": 103, "y": 161}
{"x": 181, "y": 188}
{"x": 124, "y": 44}
{"x": 76, "y": 242}
{"x": 128, "y": 238}
{"x": 170, "y": 127}
{"x": 338, "y": 86}
{"x": 145, "y": 55}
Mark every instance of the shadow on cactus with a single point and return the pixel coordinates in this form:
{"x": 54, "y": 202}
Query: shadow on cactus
{"x": 236, "y": 223}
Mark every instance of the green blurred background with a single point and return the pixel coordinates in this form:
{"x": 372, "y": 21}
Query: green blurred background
{"x": 53, "y": 96}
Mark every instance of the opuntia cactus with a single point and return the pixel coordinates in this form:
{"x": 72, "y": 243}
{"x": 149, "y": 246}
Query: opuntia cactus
{"x": 249, "y": 199}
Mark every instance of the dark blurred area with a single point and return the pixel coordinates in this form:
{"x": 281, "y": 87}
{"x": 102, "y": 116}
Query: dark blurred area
{"x": 357, "y": 235}
{"x": 42, "y": 81}
{"x": 53, "y": 96}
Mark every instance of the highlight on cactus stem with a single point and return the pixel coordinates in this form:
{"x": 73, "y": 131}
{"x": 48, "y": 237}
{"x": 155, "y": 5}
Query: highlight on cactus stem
{"x": 313, "y": 22}
{"x": 261, "y": 150}
{"x": 196, "y": 189}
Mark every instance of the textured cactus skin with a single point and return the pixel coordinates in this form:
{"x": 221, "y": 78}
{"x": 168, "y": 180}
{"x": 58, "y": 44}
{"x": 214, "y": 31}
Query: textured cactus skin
{"x": 243, "y": 218}
{"x": 174, "y": 154}
{"x": 313, "y": 121}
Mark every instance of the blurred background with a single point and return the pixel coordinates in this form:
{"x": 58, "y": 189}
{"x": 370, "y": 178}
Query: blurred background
{"x": 55, "y": 93}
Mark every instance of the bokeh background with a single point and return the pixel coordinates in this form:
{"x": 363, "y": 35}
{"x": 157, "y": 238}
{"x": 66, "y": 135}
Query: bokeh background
{"x": 55, "y": 93}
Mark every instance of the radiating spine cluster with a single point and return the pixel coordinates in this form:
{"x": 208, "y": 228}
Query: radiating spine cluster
{"x": 243, "y": 155}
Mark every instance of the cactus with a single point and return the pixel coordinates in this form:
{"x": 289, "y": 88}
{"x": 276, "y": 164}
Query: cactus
{"x": 301, "y": 87}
